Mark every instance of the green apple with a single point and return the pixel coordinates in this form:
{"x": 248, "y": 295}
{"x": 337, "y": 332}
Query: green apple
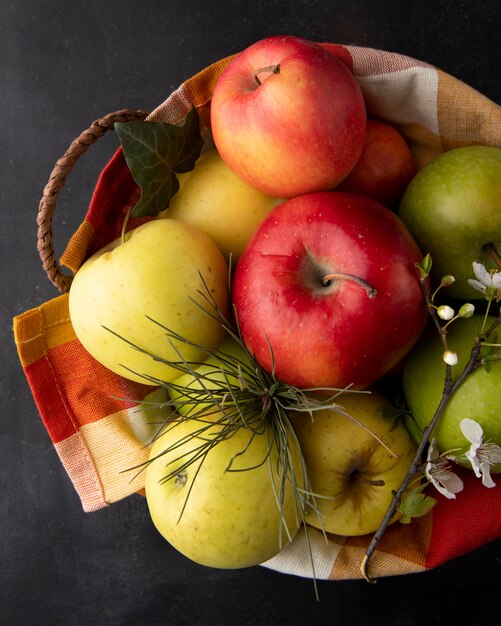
{"x": 477, "y": 398}
{"x": 348, "y": 467}
{"x": 189, "y": 391}
{"x": 214, "y": 516}
{"x": 453, "y": 208}
{"x": 213, "y": 199}
{"x": 156, "y": 274}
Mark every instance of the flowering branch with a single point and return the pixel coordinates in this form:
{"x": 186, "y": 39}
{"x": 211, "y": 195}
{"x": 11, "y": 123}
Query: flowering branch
{"x": 491, "y": 286}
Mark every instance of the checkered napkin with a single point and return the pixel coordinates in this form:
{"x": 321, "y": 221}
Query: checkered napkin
{"x": 98, "y": 433}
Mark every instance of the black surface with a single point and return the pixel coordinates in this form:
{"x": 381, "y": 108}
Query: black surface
{"x": 62, "y": 65}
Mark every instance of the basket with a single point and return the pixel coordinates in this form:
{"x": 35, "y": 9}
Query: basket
{"x": 97, "y": 435}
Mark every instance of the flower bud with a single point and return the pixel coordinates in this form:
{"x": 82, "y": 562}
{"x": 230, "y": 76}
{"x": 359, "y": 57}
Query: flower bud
{"x": 450, "y": 357}
{"x": 445, "y": 312}
{"x": 466, "y": 310}
{"x": 447, "y": 281}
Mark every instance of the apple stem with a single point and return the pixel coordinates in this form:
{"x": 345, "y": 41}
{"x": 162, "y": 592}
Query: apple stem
{"x": 371, "y": 291}
{"x": 124, "y": 226}
{"x": 372, "y": 483}
{"x": 273, "y": 69}
{"x": 494, "y": 254}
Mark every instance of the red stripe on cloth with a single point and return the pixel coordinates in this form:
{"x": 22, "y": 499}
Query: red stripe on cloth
{"x": 115, "y": 193}
{"x": 469, "y": 521}
{"x": 64, "y": 388}
{"x": 49, "y": 400}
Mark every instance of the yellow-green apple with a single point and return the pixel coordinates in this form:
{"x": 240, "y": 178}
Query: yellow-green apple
{"x": 288, "y": 117}
{"x": 453, "y": 209}
{"x": 350, "y": 470}
{"x": 213, "y": 199}
{"x": 158, "y": 273}
{"x": 385, "y": 167}
{"x": 477, "y": 398}
{"x": 327, "y": 294}
{"x": 211, "y": 514}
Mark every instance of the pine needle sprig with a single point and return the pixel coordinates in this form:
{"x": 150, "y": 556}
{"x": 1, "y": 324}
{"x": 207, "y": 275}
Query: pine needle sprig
{"x": 232, "y": 393}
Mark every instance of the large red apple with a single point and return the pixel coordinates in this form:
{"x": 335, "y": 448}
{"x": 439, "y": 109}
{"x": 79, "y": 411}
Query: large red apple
{"x": 288, "y": 117}
{"x": 327, "y": 293}
{"x": 385, "y": 167}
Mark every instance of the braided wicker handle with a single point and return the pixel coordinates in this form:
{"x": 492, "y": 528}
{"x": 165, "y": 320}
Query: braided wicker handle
{"x": 56, "y": 182}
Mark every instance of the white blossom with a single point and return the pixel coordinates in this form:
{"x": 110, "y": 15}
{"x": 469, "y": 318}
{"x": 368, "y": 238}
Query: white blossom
{"x": 489, "y": 283}
{"x": 481, "y": 455}
{"x": 438, "y": 472}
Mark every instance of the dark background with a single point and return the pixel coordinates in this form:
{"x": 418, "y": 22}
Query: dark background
{"x": 62, "y": 65}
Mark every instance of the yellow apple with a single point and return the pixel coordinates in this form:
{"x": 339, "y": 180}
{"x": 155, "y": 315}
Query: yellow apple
{"x": 352, "y": 471}
{"x": 156, "y": 273}
{"x": 216, "y": 517}
{"x": 213, "y": 199}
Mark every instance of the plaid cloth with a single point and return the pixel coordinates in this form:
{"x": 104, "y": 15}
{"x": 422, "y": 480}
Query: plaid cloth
{"x": 98, "y": 435}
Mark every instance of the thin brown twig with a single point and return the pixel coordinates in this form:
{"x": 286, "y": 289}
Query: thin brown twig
{"x": 449, "y": 388}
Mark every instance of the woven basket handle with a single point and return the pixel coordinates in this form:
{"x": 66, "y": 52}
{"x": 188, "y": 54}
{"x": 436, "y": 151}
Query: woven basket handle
{"x": 56, "y": 182}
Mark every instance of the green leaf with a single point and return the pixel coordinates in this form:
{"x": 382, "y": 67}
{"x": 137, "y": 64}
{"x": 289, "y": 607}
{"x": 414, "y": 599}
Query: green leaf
{"x": 155, "y": 152}
{"x": 425, "y": 266}
{"x": 415, "y": 504}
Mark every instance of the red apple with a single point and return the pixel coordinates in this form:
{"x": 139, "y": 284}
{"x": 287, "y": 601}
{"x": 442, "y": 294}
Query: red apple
{"x": 327, "y": 293}
{"x": 288, "y": 117}
{"x": 385, "y": 167}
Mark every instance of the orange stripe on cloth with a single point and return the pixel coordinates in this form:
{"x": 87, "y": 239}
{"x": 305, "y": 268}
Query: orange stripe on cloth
{"x": 63, "y": 375}
{"x": 402, "y": 550}
{"x": 465, "y": 115}
{"x": 42, "y": 328}
{"x": 200, "y": 87}
{"x": 76, "y": 250}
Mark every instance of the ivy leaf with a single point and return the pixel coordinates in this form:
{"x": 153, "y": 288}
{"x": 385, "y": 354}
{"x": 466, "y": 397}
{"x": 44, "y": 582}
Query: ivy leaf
{"x": 155, "y": 152}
